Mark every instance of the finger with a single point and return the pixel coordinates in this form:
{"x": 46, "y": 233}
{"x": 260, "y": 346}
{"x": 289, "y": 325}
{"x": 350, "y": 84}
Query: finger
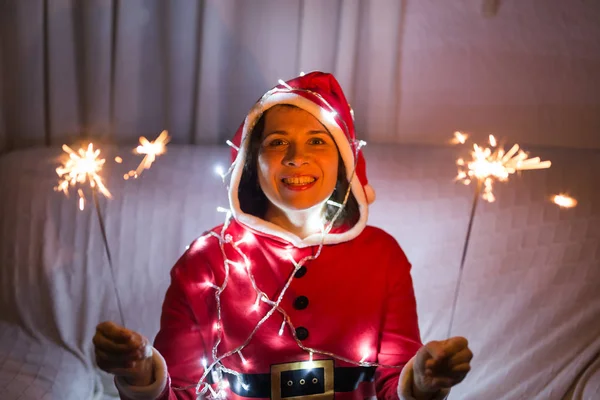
{"x": 442, "y": 351}
{"x": 442, "y": 382}
{"x": 123, "y": 360}
{"x": 456, "y": 375}
{"x": 102, "y": 342}
{"x": 461, "y": 368}
{"x": 118, "y": 370}
{"x": 455, "y": 344}
{"x": 463, "y": 356}
{"x": 114, "y": 332}
{"x": 437, "y": 351}
{"x": 138, "y": 340}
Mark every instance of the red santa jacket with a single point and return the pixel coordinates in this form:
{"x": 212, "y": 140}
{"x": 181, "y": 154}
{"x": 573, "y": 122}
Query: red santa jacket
{"x": 355, "y": 300}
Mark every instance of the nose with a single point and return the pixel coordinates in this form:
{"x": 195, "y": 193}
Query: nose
{"x": 295, "y": 156}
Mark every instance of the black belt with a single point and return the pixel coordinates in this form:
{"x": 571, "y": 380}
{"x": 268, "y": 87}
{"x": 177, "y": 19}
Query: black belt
{"x": 298, "y": 382}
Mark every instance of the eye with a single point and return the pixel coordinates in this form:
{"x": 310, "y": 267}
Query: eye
{"x": 316, "y": 140}
{"x": 275, "y": 143}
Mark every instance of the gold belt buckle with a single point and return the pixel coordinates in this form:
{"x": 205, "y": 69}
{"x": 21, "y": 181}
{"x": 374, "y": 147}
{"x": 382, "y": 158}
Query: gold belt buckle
{"x": 302, "y": 380}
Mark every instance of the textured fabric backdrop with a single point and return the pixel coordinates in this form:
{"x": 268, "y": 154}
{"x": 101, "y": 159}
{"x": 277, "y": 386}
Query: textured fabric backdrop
{"x": 529, "y": 300}
{"x": 414, "y": 70}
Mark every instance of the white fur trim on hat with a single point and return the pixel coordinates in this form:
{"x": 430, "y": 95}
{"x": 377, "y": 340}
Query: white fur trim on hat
{"x": 346, "y": 152}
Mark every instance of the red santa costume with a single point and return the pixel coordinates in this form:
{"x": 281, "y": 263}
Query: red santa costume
{"x": 353, "y": 305}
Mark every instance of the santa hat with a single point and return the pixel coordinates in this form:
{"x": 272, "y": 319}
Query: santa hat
{"x": 320, "y": 94}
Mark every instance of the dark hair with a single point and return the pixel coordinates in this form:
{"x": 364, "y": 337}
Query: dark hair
{"x": 253, "y": 201}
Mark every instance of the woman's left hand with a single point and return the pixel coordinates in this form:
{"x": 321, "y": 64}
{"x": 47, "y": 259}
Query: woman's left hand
{"x": 441, "y": 364}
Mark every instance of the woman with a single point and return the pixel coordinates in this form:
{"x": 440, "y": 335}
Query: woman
{"x": 295, "y": 296}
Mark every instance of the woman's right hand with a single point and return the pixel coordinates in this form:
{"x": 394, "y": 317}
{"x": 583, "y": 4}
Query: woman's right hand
{"x": 123, "y": 352}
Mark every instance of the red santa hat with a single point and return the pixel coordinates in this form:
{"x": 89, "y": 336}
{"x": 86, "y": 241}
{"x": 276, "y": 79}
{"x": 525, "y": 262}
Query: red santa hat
{"x": 321, "y": 95}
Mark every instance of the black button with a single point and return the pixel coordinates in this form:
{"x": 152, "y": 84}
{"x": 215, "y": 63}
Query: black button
{"x": 301, "y": 272}
{"x": 301, "y": 302}
{"x": 301, "y": 333}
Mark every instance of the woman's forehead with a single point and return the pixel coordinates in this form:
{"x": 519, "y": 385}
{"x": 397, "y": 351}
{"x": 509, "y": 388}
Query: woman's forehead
{"x": 287, "y": 118}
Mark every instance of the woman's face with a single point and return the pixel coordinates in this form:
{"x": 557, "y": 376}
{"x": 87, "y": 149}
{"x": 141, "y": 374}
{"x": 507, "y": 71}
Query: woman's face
{"x": 297, "y": 160}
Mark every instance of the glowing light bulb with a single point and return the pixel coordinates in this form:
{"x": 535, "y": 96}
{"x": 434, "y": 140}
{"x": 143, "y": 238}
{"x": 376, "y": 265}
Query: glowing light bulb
{"x": 238, "y": 266}
{"x": 219, "y": 171}
{"x": 204, "y": 362}
{"x": 365, "y": 350}
{"x": 287, "y": 255}
{"x": 329, "y": 116}
{"x": 282, "y": 82}
{"x": 311, "y": 363}
{"x": 246, "y": 238}
{"x": 335, "y": 204}
{"x": 230, "y": 144}
{"x": 282, "y": 328}
{"x": 256, "y": 304}
{"x": 210, "y": 285}
{"x": 244, "y": 361}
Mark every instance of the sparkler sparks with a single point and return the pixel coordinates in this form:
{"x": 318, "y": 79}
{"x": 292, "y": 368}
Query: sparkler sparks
{"x": 82, "y": 166}
{"x": 564, "y": 201}
{"x": 151, "y": 150}
{"x": 459, "y": 137}
{"x": 487, "y": 165}
{"x": 490, "y": 164}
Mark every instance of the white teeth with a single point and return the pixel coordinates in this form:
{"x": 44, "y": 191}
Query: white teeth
{"x": 299, "y": 180}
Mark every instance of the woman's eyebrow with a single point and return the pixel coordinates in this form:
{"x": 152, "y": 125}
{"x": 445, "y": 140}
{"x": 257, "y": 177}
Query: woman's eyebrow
{"x": 280, "y": 132}
{"x": 311, "y": 132}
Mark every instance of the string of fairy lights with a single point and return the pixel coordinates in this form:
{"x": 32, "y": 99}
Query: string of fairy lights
{"x": 487, "y": 165}
{"x": 245, "y": 265}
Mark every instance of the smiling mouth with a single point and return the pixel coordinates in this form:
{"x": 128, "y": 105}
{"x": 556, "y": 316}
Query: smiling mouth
{"x": 299, "y": 180}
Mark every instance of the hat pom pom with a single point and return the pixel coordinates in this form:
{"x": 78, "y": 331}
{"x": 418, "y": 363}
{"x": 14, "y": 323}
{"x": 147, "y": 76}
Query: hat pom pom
{"x": 369, "y": 193}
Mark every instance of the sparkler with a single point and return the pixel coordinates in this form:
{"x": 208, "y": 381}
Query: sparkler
{"x": 80, "y": 168}
{"x": 84, "y": 167}
{"x": 487, "y": 165}
{"x": 151, "y": 150}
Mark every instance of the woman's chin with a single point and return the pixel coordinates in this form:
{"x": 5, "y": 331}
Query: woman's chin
{"x": 297, "y": 205}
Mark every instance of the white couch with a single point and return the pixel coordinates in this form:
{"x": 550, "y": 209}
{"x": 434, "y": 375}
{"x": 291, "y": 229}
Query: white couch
{"x": 529, "y": 300}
